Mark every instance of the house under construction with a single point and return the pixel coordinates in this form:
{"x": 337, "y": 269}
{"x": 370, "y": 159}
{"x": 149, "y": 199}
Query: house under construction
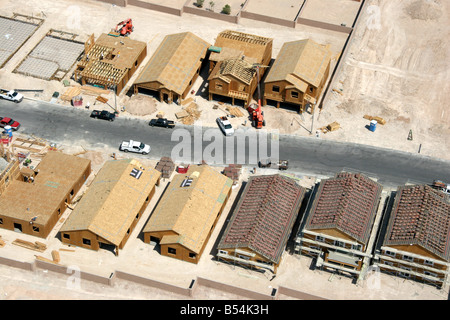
{"x": 298, "y": 74}
{"x": 110, "y": 61}
{"x": 261, "y": 224}
{"x": 187, "y": 213}
{"x": 339, "y": 223}
{"x": 110, "y": 209}
{"x": 233, "y": 60}
{"x": 415, "y": 241}
{"x": 35, "y": 199}
{"x": 174, "y": 67}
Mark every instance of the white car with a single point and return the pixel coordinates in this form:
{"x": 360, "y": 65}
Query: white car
{"x": 134, "y": 146}
{"x": 225, "y": 125}
{"x": 11, "y": 95}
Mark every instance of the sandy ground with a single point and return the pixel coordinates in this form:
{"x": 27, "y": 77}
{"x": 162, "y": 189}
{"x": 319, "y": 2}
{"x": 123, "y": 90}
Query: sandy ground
{"x": 387, "y": 73}
{"x": 344, "y": 11}
{"x": 397, "y": 68}
{"x": 287, "y": 9}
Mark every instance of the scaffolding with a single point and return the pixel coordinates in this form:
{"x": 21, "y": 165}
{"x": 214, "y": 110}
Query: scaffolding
{"x": 412, "y": 270}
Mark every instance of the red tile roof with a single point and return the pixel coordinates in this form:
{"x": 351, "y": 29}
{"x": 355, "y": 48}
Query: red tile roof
{"x": 348, "y": 202}
{"x": 421, "y": 216}
{"x": 264, "y": 216}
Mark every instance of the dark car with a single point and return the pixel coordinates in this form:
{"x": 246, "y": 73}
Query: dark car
{"x": 9, "y": 122}
{"x": 162, "y": 122}
{"x": 105, "y": 115}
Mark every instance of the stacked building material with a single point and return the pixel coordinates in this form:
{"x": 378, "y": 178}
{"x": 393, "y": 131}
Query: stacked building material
{"x": 165, "y": 166}
{"x": 233, "y": 172}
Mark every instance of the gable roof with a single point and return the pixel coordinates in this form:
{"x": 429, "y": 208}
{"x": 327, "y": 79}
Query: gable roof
{"x": 348, "y": 203}
{"x": 190, "y": 211}
{"x": 304, "y": 60}
{"x": 235, "y": 44}
{"x": 420, "y": 215}
{"x": 113, "y": 199}
{"x": 175, "y": 61}
{"x": 264, "y": 216}
{"x": 58, "y": 172}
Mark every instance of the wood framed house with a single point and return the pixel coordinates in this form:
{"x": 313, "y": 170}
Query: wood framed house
{"x": 187, "y": 213}
{"x": 262, "y": 222}
{"x": 231, "y": 70}
{"x": 112, "y": 206}
{"x": 174, "y": 67}
{"x": 34, "y": 200}
{"x": 339, "y": 222}
{"x": 110, "y": 61}
{"x": 298, "y": 74}
{"x": 415, "y": 242}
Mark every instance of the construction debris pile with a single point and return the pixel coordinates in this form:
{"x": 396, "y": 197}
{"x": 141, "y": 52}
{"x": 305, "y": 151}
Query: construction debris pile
{"x": 190, "y": 114}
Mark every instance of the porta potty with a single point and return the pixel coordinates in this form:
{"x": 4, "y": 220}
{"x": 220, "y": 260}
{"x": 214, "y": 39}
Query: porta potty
{"x": 373, "y": 125}
{"x": 8, "y": 131}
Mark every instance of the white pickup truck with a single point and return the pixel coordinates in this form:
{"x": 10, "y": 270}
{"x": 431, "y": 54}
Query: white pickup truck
{"x": 134, "y": 146}
{"x": 11, "y": 95}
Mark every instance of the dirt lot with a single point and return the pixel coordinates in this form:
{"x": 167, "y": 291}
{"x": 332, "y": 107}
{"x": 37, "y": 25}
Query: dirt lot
{"x": 387, "y": 73}
{"x": 397, "y": 68}
{"x": 287, "y": 9}
{"x": 343, "y": 11}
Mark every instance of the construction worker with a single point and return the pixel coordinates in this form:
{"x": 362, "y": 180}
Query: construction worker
{"x": 88, "y": 105}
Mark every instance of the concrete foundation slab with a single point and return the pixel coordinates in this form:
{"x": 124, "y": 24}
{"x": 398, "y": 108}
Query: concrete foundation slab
{"x": 13, "y": 35}
{"x": 51, "y": 59}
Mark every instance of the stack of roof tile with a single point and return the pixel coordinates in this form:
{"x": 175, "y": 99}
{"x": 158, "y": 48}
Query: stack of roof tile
{"x": 233, "y": 172}
{"x": 165, "y": 166}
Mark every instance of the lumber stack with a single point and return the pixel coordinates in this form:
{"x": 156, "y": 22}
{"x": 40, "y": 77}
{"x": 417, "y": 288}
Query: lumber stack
{"x": 235, "y": 111}
{"x": 71, "y": 93}
{"x": 55, "y": 258}
{"x": 378, "y": 119}
{"x": 331, "y": 127}
{"x": 36, "y": 246}
{"x": 101, "y": 99}
{"x": 186, "y": 101}
{"x": 95, "y": 91}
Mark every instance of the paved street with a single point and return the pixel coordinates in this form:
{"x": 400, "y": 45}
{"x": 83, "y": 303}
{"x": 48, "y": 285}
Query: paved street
{"x": 307, "y": 155}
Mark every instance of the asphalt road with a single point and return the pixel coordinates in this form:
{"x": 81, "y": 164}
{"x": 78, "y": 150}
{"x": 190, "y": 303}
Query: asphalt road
{"x": 307, "y": 155}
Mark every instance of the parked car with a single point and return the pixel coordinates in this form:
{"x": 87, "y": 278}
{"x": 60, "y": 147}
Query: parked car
{"x": 225, "y": 125}
{"x": 162, "y": 122}
{"x": 134, "y": 146}
{"x": 105, "y": 115}
{"x": 5, "y": 121}
{"x": 11, "y": 95}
